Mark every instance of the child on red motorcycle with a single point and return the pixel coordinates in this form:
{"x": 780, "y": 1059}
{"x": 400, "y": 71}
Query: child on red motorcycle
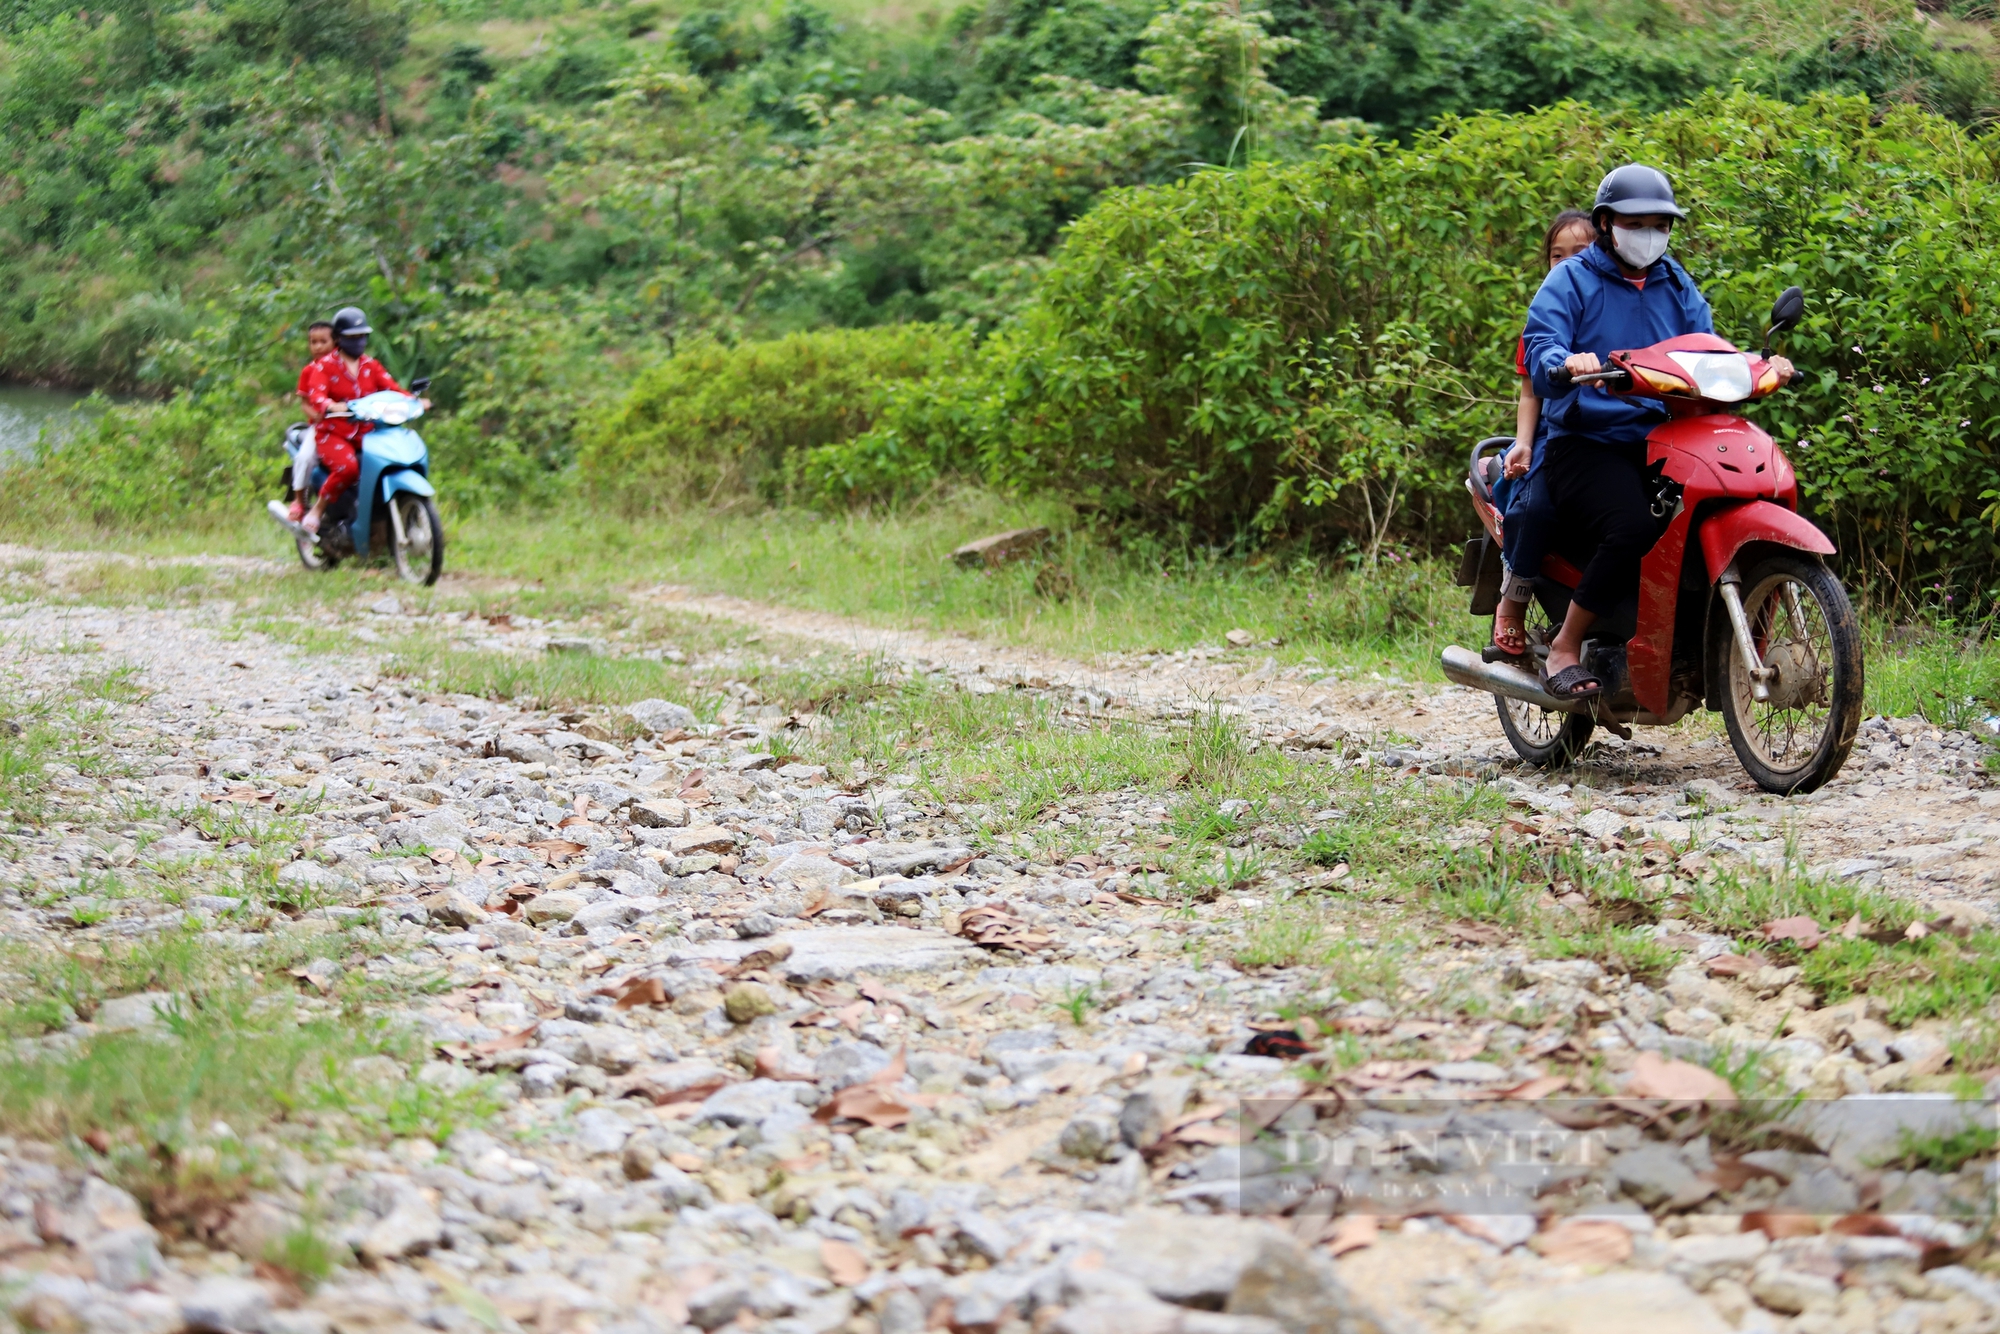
{"x": 1523, "y": 496}
{"x": 319, "y": 342}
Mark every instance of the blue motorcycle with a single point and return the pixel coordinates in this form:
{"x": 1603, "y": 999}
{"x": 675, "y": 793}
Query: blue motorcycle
{"x": 394, "y": 502}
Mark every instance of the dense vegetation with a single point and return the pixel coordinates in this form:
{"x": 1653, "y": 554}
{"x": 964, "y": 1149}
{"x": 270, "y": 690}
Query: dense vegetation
{"x": 1281, "y": 321}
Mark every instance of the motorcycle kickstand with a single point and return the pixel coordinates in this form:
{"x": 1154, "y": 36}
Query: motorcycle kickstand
{"x": 1610, "y": 724}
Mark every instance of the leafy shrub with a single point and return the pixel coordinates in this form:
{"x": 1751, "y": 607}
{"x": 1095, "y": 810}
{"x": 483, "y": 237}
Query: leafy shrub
{"x": 714, "y": 424}
{"x": 1307, "y": 350}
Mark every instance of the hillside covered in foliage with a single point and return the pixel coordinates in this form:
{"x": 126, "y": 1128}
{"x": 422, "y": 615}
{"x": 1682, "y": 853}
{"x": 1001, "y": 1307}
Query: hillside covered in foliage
{"x": 598, "y": 226}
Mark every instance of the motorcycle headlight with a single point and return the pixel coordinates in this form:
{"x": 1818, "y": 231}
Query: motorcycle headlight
{"x": 1723, "y": 377}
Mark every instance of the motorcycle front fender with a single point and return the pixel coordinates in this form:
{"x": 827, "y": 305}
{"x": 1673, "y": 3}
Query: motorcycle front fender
{"x": 407, "y": 480}
{"x": 1728, "y": 531}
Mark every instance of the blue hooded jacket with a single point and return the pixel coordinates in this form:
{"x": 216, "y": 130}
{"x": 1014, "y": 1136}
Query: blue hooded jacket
{"x": 1586, "y": 304}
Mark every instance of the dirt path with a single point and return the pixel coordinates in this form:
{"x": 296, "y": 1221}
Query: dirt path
{"x": 708, "y": 1041}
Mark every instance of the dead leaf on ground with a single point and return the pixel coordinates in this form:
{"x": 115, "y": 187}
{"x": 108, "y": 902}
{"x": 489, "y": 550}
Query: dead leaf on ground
{"x": 1916, "y": 931}
{"x": 1779, "y": 1226}
{"x": 1476, "y": 933}
{"x": 1535, "y": 1089}
{"x": 1736, "y": 965}
{"x": 246, "y": 796}
{"x": 771, "y": 1064}
{"x": 510, "y": 1042}
{"x": 1801, "y": 931}
{"x": 818, "y": 902}
{"x": 1379, "y": 1074}
{"x": 1865, "y": 1225}
{"x": 1853, "y": 927}
{"x": 555, "y": 850}
{"x": 876, "y": 1100}
{"x": 1584, "y": 1241}
{"x": 1351, "y": 1232}
{"x": 1731, "y": 1173}
{"x": 994, "y": 926}
{"x": 636, "y": 991}
{"x": 845, "y": 1265}
{"x": 1654, "y": 1076}
{"x": 768, "y": 957}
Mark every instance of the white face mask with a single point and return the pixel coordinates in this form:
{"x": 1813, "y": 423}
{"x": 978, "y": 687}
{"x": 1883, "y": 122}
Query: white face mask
{"x": 1639, "y": 246}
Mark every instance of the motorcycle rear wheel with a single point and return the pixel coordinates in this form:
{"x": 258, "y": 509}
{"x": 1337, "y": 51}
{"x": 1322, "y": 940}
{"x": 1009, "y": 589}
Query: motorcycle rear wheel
{"x": 1545, "y": 738}
{"x": 314, "y": 556}
{"x": 1804, "y": 626}
{"x": 420, "y": 555}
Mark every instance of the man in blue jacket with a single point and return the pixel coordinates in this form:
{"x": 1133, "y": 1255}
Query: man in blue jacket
{"x": 1624, "y": 292}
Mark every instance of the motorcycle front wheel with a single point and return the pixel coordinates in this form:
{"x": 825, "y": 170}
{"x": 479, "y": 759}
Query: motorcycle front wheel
{"x": 1805, "y": 631}
{"x": 420, "y": 555}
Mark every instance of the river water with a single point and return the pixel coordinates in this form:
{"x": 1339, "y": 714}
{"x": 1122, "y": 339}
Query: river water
{"x": 26, "y": 411}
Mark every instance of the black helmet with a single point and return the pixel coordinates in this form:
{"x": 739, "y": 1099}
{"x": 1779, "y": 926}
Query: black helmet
{"x": 349, "y": 321}
{"x": 1624, "y": 190}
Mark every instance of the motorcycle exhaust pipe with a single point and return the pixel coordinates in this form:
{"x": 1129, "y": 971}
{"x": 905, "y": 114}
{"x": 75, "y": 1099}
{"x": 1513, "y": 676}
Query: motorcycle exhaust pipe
{"x": 1468, "y": 669}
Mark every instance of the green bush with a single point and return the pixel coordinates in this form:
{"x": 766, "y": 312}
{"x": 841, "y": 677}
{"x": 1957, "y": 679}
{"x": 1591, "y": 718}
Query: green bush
{"x": 1307, "y": 350}
{"x": 714, "y": 424}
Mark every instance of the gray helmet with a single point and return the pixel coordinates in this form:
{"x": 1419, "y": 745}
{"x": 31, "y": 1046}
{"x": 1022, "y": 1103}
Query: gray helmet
{"x": 348, "y": 321}
{"x": 1625, "y": 190}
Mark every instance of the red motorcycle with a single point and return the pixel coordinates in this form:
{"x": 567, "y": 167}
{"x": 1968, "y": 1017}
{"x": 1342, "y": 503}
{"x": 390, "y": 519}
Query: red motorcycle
{"x": 1736, "y": 612}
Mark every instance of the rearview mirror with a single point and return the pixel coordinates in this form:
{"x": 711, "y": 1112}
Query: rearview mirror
{"x": 1787, "y": 309}
{"x": 423, "y": 382}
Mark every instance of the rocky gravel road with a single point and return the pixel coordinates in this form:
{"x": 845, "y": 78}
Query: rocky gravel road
{"x": 746, "y": 1040}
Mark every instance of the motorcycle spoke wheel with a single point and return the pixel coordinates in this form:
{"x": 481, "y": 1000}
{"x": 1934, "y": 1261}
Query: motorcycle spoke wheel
{"x": 420, "y": 555}
{"x": 1545, "y": 738}
{"x": 1805, "y": 632}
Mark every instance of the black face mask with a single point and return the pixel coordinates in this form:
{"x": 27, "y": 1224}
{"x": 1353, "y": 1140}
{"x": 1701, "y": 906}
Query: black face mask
{"x": 353, "y": 345}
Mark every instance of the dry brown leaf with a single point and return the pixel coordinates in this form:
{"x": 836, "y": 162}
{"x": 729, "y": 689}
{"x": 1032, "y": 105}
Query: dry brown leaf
{"x": 1801, "y": 931}
{"x": 1854, "y": 927}
{"x": 555, "y": 850}
{"x": 511, "y": 1042}
{"x": 1351, "y": 1232}
{"x": 1864, "y": 1225}
{"x": 1654, "y": 1076}
{"x": 1779, "y": 1226}
{"x": 1476, "y": 933}
{"x": 771, "y": 1064}
{"x": 1731, "y": 1173}
{"x": 818, "y": 902}
{"x": 768, "y": 957}
{"x": 994, "y": 926}
{"x": 1735, "y": 965}
{"x": 636, "y": 991}
{"x": 687, "y": 1162}
{"x": 1916, "y": 931}
{"x": 872, "y": 1103}
{"x": 1205, "y": 1134}
{"x": 845, "y": 1264}
{"x": 1535, "y": 1089}
{"x": 1584, "y": 1241}
{"x": 1377, "y": 1074}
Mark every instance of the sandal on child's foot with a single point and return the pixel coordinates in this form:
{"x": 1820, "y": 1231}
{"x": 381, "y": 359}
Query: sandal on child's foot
{"x": 1574, "y": 682}
{"x": 1510, "y": 639}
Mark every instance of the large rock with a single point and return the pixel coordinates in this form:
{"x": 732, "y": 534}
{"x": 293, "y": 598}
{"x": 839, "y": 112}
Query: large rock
{"x": 125, "y": 1257}
{"x": 706, "y": 838}
{"x": 1242, "y": 1267}
{"x": 1653, "y": 1303}
{"x": 523, "y": 749}
{"x": 665, "y": 813}
{"x": 144, "y": 1009}
{"x": 1859, "y": 1134}
{"x": 660, "y": 715}
{"x": 226, "y": 1306}
{"x": 999, "y": 548}
{"x": 411, "y": 1228}
{"x": 810, "y": 869}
